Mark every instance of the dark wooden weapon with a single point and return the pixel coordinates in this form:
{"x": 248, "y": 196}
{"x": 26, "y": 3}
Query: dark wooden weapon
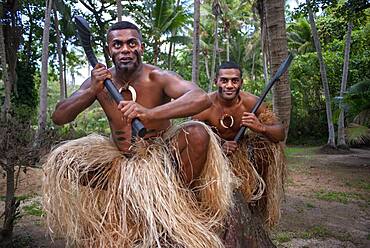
{"x": 84, "y": 33}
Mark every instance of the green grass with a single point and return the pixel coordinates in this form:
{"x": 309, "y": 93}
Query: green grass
{"x": 360, "y": 184}
{"x": 283, "y": 237}
{"x": 294, "y": 151}
{"x": 19, "y": 197}
{"x": 342, "y": 197}
{"x": 34, "y": 209}
{"x": 310, "y": 205}
{"x": 316, "y": 232}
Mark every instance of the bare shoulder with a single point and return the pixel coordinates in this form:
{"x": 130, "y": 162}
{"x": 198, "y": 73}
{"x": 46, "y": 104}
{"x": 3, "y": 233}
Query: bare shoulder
{"x": 158, "y": 74}
{"x": 248, "y": 98}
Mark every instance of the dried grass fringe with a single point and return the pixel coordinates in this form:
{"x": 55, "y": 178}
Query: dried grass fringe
{"x": 263, "y": 183}
{"x": 136, "y": 202}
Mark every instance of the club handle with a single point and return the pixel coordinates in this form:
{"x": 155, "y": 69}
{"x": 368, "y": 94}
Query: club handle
{"x": 138, "y": 128}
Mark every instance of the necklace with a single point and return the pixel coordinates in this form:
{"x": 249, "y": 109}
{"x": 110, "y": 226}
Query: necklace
{"x": 128, "y": 87}
{"x": 227, "y": 121}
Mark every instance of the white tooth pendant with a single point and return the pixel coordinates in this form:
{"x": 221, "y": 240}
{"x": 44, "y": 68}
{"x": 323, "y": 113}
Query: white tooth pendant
{"x": 227, "y": 121}
{"x": 132, "y": 91}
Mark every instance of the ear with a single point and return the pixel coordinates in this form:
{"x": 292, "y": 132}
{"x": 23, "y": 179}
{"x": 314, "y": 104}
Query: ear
{"x": 142, "y": 48}
{"x": 215, "y": 80}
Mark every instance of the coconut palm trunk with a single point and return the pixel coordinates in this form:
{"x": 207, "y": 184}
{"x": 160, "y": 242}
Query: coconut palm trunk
{"x": 341, "y": 134}
{"x": 119, "y": 10}
{"x": 324, "y": 79}
{"x": 216, "y": 9}
{"x": 195, "y": 64}
{"x": 5, "y": 75}
{"x": 62, "y": 82}
{"x": 278, "y": 50}
{"x": 42, "y": 118}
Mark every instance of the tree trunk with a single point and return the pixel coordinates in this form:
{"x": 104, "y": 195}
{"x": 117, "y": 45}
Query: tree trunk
{"x": 228, "y": 45}
{"x": 207, "y": 67}
{"x": 341, "y": 134}
{"x": 324, "y": 79}
{"x": 119, "y": 10}
{"x": 5, "y": 75}
{"x": 244, "y": 227}
{"x": 11, "y": 204}
{"x": 216, "y": 9}
{"x": 62, "y": 85}
{"x": 44, "y": 73}
{"x": 264, "y": 39}
{"x": 195, "y": 64}
{"x": 278, "y": 51}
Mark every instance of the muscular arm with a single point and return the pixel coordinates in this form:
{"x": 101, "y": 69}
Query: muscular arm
{"x": 274, "y": 132}
{"x": 189, "y": 99}
{"x": 68, "y": 109}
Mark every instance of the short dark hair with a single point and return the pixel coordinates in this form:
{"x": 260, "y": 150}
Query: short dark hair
{"x": 124, "y": 25}
{"x": 229, "y": 65}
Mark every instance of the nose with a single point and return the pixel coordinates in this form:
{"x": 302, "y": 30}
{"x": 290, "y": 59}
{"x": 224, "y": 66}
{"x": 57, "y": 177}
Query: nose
{"x": 125, "y": 48}
{"x": 229, "y": 84}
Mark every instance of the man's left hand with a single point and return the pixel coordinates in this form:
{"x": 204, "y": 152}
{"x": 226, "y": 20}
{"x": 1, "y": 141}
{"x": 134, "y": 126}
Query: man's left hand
{"x": 132, "y": 110}
{"x": 251, "y": 121}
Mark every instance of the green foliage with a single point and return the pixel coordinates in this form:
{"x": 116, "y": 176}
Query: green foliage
{"x": 357, "y": 134}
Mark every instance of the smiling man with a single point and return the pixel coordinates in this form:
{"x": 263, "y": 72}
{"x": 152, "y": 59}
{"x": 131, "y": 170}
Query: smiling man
{"x": 128, "y": 192}
{"x": 257, "y": 160}
{"x": 231, "y": 108}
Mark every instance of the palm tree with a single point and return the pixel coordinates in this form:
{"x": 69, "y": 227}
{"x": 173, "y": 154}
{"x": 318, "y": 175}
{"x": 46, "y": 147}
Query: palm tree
{"x": 159, "y": 19}
{"x": 119, "y": 10}
{"x": 44, "y": 72}
{"x": 277, "y": 49}
{"x": 324, "y": 79}
{"x": 62, "y": 82}
{"x": 195, "y": 64}
{"x": 216, "y": 10}
{"x": 300, "y": 36}
{"x": 341, "y": 130}
{"x": 5, "y": 77}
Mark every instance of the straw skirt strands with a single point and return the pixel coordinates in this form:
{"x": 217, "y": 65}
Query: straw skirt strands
{"x": 138, "y": 201}
{"x": 261, "y": 166}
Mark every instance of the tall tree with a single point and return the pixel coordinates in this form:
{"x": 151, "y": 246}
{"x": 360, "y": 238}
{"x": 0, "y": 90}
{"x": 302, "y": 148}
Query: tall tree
{"x": 277, "y": 49}
{"x": 62, "y": 82}
{"x": 5, "y": 76}
{"x": 196, "y": 44}
{"x": 324, "y": 78}
{"x": 216, "y": 10}
{"x": 119, "y": 10}
{"x": 42, "y": 119}
{"x": 341, "y": 132}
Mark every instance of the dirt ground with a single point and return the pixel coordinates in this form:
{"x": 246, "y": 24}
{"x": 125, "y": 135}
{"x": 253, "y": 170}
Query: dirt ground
{"x": 327, "y": 202}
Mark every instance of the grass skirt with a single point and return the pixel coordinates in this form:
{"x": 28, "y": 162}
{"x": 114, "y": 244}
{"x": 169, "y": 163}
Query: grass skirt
{"x": 261, "y": 167}
{"x": 134, "y": 202}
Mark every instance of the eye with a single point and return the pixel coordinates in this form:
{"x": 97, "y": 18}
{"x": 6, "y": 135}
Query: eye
{"x": 235, "y": 80}
{"x": 117, "y": 44}
{"x": 132, "y": 43}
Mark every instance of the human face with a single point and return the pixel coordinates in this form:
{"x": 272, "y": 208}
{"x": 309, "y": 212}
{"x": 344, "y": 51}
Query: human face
{"x": 229, "y": 83}
{"x": 125, "y": 48}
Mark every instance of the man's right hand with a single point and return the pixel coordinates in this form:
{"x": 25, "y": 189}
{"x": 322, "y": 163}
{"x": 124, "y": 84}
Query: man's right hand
{"x": 98, "y": 75}
{"x": 229, "y": 147}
